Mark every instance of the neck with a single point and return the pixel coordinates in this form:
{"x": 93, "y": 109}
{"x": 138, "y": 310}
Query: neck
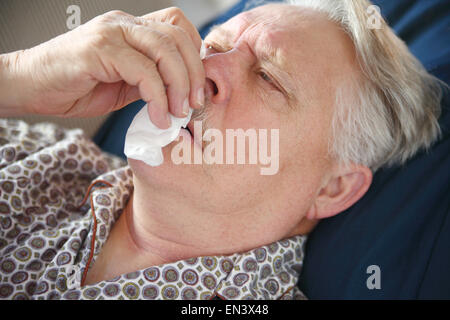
{"x": 149, "y": 238}
{"x": 173, "y": 232}
{"x": 158, "y": 230}
{"x": 155, "y": 231}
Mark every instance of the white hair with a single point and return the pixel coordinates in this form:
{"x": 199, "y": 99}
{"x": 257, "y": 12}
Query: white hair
{"x": 390, "y": 115}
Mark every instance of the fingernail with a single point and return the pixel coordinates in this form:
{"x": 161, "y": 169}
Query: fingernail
{"x": 186, "y": 107}
{"x": 201, "y": 96}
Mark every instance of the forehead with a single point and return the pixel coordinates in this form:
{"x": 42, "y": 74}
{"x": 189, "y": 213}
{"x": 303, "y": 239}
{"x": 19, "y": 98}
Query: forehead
{"x": 300, "y": 33}
{"x": 274, "y": 21}
{"x": 314, "y": 50}
{"x": 270, "y": 31}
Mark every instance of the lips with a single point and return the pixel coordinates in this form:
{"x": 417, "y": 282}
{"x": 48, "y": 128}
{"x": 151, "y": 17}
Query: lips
{"x": 189, "y": 130}
{"x": 190, "y": 127}
{"x": 196, "y": 136}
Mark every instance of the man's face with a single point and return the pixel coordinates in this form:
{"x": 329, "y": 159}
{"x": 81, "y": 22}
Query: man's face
{"x": 274, "y": 67}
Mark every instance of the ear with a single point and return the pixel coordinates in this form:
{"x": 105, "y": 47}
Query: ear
{"x": 343, "y": 188}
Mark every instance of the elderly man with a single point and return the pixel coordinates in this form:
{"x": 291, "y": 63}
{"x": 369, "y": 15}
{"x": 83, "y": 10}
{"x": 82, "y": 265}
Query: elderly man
{"x": 78, "y": 224}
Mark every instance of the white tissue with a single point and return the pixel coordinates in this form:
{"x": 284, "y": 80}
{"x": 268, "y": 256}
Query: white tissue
{"x": 144, "y": 141}
{"x": 203, "y": 51}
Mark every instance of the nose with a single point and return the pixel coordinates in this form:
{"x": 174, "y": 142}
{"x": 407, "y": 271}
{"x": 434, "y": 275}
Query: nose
{"x": 211, "y": 89}
{"x": 222, "y": 73}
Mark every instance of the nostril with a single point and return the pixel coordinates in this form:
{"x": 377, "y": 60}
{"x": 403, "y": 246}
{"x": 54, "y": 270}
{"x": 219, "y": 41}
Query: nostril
{"x": 211, "y": 88}
{"x": 215, "y": 90}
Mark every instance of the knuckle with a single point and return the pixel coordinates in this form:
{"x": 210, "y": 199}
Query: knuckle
{"x": 175, "y": 11}
{"x": 100, "y": 35}
{"x": 150, "y": 66}
{"x": 178, "y": 32}
{"x": 174, "y": 15}
{"x": 109, "y": 16}
{"x": 139, "y": 21}
{"x": 119, "y": 18}
{"x": 159, "y": 95}
{"x": 166, "y": 41}
{"x": 152, "y": 73}
{"x": 104, "y": 32}
{"x": 99, "y": 39}
{"x": 115, "y": 14}
{"x": 171, "y": 37}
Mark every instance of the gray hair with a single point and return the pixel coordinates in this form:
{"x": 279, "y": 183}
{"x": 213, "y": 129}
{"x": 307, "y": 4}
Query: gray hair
{"x": 390, "y": 115}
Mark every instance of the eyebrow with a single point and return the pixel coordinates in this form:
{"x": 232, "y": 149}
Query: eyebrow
{"x": 218, "y": 28}
{"x": 269, "y": 56}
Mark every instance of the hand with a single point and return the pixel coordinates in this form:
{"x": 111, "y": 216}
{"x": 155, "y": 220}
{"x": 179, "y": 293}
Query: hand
{"x": 105, "y": 64}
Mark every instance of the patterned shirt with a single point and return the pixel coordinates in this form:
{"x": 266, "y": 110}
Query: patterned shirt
{"x": 59, "y": 198}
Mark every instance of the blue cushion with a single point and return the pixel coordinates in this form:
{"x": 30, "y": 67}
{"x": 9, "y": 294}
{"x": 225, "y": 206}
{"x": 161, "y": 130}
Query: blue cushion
{"x": 402, "y": 224}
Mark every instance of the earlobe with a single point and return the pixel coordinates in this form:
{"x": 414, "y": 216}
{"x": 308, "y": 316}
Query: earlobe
{"x": 345, "y": 187}
{"x": 311, "y": 214}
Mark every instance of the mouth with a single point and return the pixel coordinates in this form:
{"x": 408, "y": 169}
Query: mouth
{"x": 189, "y": 130}
{"x": 196, "y": 137}
{"x": 198, "y": 115}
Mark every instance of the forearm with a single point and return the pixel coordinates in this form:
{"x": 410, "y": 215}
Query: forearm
{"x": 11, "y": 95}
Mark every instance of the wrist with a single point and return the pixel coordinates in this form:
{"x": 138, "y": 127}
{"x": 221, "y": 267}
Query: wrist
{"x": 11, "y": 85}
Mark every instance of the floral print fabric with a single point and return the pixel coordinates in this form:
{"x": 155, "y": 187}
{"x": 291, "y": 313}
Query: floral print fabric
{"x": 59, "y": 198}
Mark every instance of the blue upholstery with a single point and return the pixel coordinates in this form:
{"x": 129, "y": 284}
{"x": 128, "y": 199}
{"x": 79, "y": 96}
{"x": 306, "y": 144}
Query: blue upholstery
{"x": 402, "y": 224}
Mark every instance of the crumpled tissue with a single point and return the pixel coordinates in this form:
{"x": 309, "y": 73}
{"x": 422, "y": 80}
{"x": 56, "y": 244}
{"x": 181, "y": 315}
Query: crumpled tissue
{"x": 144, "y": 141}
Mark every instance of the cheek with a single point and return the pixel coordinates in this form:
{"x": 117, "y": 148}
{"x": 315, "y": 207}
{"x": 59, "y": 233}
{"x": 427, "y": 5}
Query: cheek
{"x": 304, "y": 153}
{"x": 310, "y": 138}
{"x": 248, "y": 111}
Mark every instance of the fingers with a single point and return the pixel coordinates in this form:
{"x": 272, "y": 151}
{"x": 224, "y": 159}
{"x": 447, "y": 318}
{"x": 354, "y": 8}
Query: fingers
{"x": 175, "y": 16}
{"x": 159, "y": 54}
{"x": 179, "y": 65}
{"x": 192, "y": 62}
{"x": 162, "y": 50}
{"x": 189, "y": 44}
{"x": 137, "y": 70}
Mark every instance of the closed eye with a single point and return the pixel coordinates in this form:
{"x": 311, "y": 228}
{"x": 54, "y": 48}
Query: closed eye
{"x": 268, "y": 79}
{"x": 215, "y": 48}
{"x": 265, "y": 77}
